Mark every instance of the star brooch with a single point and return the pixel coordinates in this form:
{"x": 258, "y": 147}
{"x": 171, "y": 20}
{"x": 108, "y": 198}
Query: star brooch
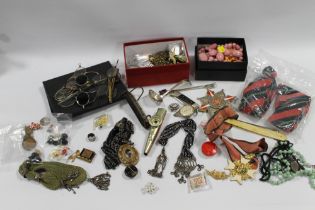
{"x": 240, "y": 170}
{"x": 213, "y": 102}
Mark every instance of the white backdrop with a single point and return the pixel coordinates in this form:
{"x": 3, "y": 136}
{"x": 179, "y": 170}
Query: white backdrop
{"x": 42, "y": 39}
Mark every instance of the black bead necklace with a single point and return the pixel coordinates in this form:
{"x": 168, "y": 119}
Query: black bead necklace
{"x": 117, "y": 137}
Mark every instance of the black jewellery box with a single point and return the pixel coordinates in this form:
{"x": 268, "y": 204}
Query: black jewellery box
{"x": 218, "y": 70}
{"x": 101, "y": 100}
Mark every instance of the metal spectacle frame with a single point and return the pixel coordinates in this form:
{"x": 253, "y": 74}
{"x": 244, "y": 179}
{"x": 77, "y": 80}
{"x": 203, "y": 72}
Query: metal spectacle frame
{"x": 78, "y": 89}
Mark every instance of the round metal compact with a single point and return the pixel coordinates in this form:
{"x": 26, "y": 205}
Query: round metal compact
{"x": 128, "y": 155}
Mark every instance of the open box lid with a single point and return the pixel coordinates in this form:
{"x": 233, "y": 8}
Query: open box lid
{"x": 150, "y": 47}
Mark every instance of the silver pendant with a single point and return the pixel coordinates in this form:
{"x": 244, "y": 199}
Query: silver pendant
{"x": 159, "y": 165}
{"x": 101, "y": 181}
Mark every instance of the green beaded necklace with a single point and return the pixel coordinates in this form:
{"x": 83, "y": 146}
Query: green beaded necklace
{"x": 283, "y": 164}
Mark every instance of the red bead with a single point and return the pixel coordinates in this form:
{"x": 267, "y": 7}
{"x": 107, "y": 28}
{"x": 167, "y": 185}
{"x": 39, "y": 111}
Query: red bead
{"x": 209, "y": 148}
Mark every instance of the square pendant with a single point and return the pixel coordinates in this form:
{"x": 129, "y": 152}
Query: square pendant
{"x": 87, "y": 155}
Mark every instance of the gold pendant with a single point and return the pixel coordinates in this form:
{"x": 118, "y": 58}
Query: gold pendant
{"x": 218, "y": 175}
{"x": 128, "y": 155}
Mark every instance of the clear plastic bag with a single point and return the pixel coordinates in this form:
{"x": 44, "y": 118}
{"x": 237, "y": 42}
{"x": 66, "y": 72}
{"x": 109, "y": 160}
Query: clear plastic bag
{"x": 11, "y": 149}
{"x": 287, "y": 106}
{"x": 58, "y": 130}
{"x": 60, "y": 154}
{"x": 102, "y": 121}
{"x": 11, "y": 137}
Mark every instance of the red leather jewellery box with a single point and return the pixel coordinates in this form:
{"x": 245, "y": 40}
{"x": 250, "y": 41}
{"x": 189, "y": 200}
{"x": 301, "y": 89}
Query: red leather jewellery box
{"x": 154, "y": 75}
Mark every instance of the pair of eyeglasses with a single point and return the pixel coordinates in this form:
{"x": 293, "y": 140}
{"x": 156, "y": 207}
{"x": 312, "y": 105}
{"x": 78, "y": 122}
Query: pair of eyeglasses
{"x": 81, "y": 88}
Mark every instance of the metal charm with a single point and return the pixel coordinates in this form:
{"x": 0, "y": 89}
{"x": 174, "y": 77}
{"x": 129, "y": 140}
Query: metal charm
{"x": 74, "y": 156}
{"x": 155, "y": 123}
{"x": 159, "y": 165}
{"x": 295, "y": 164}
{"x": 150, "y": 188}
{"x": 173, "y": 107}
{"x": 101, "y": 181}
{"x": 128, "y": 155}
{"x": 87, "y": 155}
{"x": 218, "y": 175}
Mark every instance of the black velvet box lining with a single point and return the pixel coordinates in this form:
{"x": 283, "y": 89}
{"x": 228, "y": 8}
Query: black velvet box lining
{"x": 53, "y": 85}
